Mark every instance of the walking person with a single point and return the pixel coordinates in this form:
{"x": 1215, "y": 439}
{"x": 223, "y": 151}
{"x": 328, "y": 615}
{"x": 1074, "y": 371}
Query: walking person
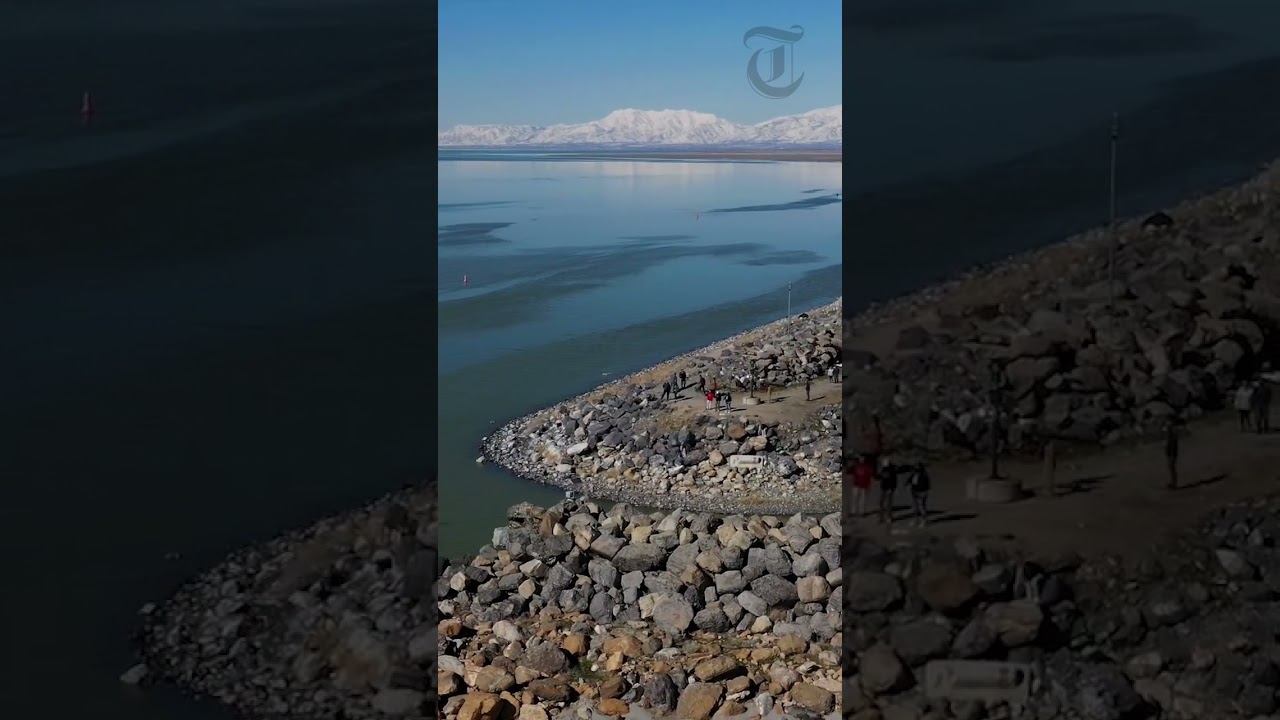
{"x": 875, "y": 439}
{"x": 702, "y": 383}
{"x": 1171, "y": 442}
{"x": 808, "y": 385}
{"x": 1262, "y": 402}
{"x": 839, "y": 372}
{"x": 1050, "y": 467}
{"x": 684, "y": 380}
{"x": 728, "y": 402}
{"x": 919, "y": 485}
{"x": 888, "y": 488}
{"x": 711, "y": 399}
{"x": 666, "y": 390}
{"x": 1244, "y": 403}
{"x": 862, "y": 476}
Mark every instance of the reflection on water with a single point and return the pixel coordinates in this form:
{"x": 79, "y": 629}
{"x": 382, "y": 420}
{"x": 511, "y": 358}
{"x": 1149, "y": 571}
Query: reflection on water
{"x": 623, "y": 266}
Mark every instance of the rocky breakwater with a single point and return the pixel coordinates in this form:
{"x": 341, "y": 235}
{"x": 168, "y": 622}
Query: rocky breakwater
{"x": 1188, "y": 634}
{"x": 573, "y": 609}
{"x": 336, "y": 621}
{"x": 1196, "y": 308}
{"x": 625, "y": 442}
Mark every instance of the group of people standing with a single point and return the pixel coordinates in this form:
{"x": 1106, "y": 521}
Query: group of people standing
{"x": 866, "y": 471}
{"x": 672, "y": 386}
{"x": 719, "y": 400}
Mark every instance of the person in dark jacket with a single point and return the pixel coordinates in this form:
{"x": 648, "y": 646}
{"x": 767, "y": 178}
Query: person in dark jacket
{"x": 919, "y": 484}
{"x": 1262, "y": 406}
{"x": 888, "y": 488}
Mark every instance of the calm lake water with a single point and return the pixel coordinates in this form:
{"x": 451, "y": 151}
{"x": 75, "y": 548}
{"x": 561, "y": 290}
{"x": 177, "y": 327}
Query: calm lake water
{"x": 578, "y": 272}
{"x": 209, "y": 302}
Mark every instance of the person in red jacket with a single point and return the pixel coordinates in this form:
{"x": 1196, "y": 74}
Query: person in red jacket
{"x": 862, "y": 475}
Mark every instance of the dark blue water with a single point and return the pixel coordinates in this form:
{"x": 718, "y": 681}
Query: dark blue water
{"x": 215, "y": 305}
{"x": 978, "y": 128}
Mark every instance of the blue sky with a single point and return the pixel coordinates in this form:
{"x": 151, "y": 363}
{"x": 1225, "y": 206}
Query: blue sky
{"x": 566, "y": 61}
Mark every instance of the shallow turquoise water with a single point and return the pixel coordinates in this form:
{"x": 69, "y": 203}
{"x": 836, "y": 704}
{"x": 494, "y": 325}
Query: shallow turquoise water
{"x": 578, "y": 272}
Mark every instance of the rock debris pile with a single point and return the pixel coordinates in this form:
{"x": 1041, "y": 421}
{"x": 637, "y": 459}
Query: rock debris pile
{"x": 1196, "y": 308}
{"x": 1189, "y": 636}
{"x": 337, "y": 621}
{"x": 624, "y": 442}
{"x": 573, "y": 607}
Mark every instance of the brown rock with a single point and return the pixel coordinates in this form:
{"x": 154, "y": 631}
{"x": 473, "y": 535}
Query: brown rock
{"x": 533, "y": 712}
{"x": 613, "y": 662}
{"x": 791, "y": 645}
{"x": 481, "y": 706}
{"x": 871, "y": 591}
{"x": 716, "y": 668}
{"x": 946, "y": 588}
{"x": 762, "y": 655}
{"x": 613, "y": 707}
{"x": 881, "y": 670}
{"x": 447, "y": 683}
{"x": 731, "y": 708}
{"x": 698, "y": 701}
{"x": 613, "y": 687}
{"x": 451, "y": 628}
{"x": 551, "y": 689}
{"x": 493, "y": 679}
{"x": 575, "y": 644}
{"x": 1016, "y": 623}
{"x": 628, "y": 645}
{"x": 812, "y": 697}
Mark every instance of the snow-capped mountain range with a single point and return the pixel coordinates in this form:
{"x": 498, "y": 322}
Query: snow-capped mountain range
{"x": 824, "y": 126}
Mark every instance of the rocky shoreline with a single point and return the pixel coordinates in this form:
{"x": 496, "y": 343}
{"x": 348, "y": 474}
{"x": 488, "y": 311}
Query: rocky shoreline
{"x": 574, "y": 611}
{"x": 577, "y": 612}
{"x": 1196, "y": 308}
{"x": 1187, "y": 634}
{"x": 623, "y": 442}
{"x": 337, "y": 621}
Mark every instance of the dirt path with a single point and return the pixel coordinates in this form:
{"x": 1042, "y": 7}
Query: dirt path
{"x": 1113, "y": 502}
{"x": 785, "y": 405}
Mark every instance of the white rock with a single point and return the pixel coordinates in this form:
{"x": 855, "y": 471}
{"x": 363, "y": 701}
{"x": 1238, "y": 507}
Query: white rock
{"x": 135, "y": 675}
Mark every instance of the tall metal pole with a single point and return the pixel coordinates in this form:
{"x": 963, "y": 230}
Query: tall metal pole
{"x": 1111, "y": 216}
{"x": 994, "y": 369}
{"x": 788, "y": 300}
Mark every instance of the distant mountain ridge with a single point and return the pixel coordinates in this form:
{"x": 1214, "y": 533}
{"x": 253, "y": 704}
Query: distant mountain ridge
{"x": 824, "y": 126}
